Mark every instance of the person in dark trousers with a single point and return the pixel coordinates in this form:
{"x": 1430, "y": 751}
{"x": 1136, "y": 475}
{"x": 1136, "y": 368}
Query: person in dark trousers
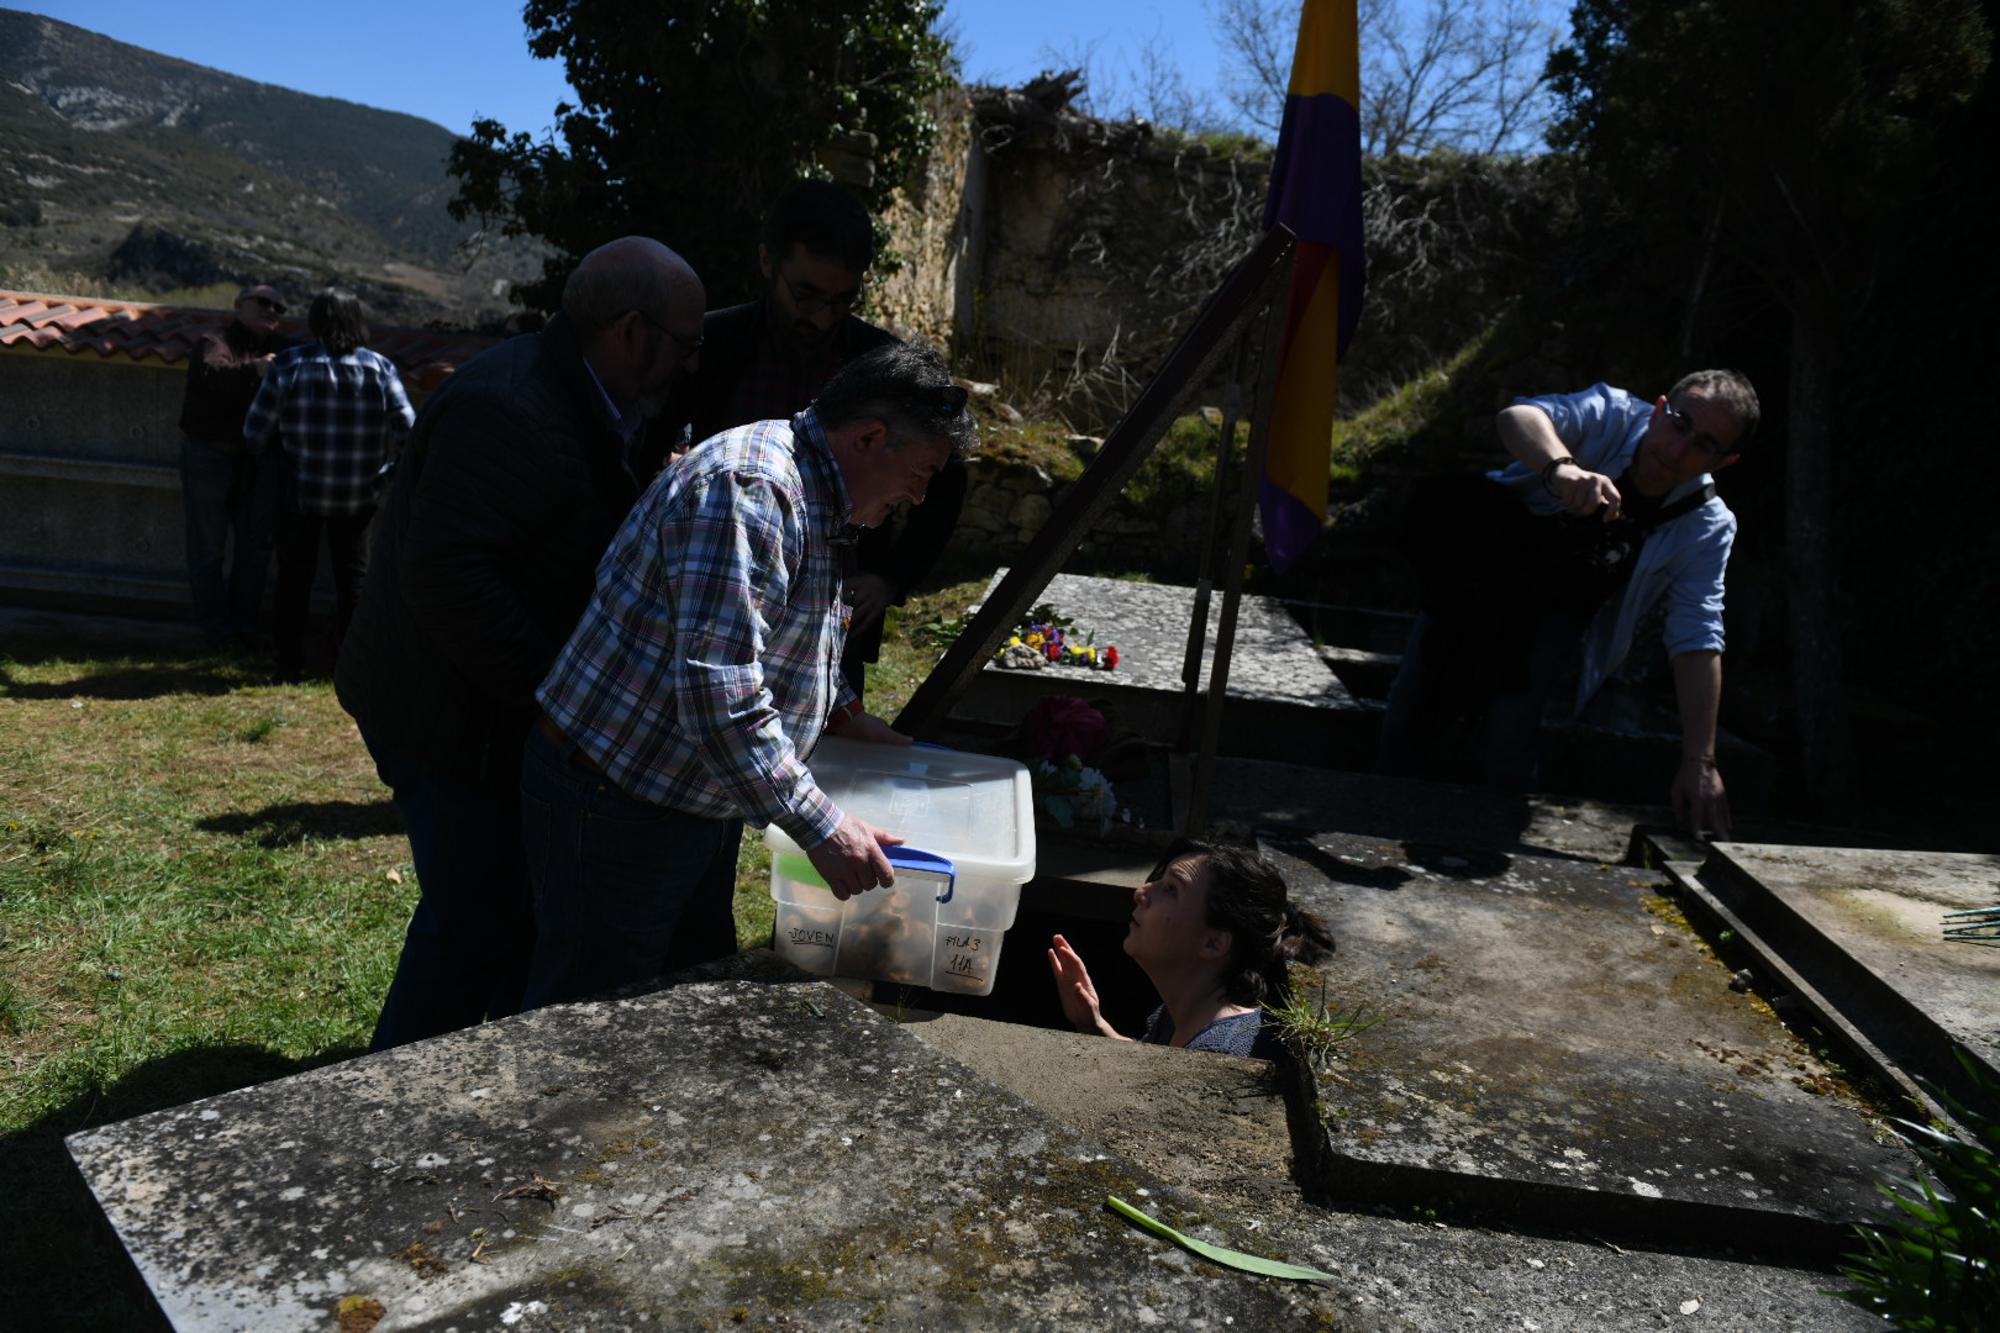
{"x": 767, "y": 359}
{"x": 516, "y": 476}
{"x": 229, "y": 490}
{"x": 339, "y": 413}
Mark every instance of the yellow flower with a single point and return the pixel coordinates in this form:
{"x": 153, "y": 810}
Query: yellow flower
{"x": 1035, "y": 640}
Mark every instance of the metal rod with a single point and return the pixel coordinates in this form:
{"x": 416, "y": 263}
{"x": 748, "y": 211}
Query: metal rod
{"x": 1239, "y": 555}
{"x": 1197, "y": 640}
{"x": 1129, "y": 444}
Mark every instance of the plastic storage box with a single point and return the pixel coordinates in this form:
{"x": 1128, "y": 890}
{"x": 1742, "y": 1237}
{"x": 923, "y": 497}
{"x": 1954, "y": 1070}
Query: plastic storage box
{"x": 969, "y": 830}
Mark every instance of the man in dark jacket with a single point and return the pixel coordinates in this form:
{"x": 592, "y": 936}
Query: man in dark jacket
{"x": 517, "y": 474}
{"x": 768, "y": 359}
{"x": 225, "y": 483}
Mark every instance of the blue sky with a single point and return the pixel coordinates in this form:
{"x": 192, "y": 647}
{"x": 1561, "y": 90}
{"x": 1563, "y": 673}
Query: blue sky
{"x": 452, "y": 60}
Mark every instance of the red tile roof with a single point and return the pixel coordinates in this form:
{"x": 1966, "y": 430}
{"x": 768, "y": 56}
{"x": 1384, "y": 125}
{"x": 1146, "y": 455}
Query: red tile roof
{"x": 135, "y": 331}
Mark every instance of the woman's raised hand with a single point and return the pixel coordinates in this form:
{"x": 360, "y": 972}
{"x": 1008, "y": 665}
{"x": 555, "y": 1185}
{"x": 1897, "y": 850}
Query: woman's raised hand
{"x": 1076, "y": 991}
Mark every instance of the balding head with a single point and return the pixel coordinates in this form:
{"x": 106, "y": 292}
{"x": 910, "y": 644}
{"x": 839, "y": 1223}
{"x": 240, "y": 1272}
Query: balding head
{"x": 632, "y": 272}
{"x": 636, "y": 307}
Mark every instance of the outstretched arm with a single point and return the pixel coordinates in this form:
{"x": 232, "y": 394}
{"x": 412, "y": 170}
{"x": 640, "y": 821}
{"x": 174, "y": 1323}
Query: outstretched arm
{"x": 1699, "y": 799}
{"x": 1528, "y": 434}
{"x": 1078, "y": 995}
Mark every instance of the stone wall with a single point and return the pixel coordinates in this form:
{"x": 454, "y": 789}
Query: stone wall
{"x": 1064, "y": 254}
{"x": 1007, "y": 504}
{"x": 930, "y": 226}
{"x": 90, "y": 468}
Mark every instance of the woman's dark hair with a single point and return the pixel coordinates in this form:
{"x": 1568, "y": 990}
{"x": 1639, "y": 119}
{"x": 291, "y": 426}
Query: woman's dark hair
{"x": 909, "y": 389}
{"x": 825, "y": 219}
{"x": 338, "y": 319}
{"x": 1247, "y": 897}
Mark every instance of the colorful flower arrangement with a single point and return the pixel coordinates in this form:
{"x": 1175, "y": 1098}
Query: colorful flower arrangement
{"x": 1046, "y": 638}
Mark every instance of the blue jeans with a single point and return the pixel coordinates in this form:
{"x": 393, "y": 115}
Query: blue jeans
{"x": 1507, "y": 700}
{"x": 225, "y": 491}
{"x": 465, "y": 954}
{"x": 625, "y": 891}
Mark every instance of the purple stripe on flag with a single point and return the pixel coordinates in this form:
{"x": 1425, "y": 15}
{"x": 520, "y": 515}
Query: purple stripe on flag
{"x": 1316, "y": 174}
{"x": 1290, "y": 528}
{"x": 1316, "y": 190}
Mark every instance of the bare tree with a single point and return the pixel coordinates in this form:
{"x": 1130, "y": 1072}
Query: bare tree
{"x": 1148, "y": 85}
{"x": 1462, "y": 74}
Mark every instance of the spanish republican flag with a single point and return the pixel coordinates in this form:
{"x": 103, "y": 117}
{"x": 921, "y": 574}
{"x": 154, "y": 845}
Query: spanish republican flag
{"x": 1316, "y": 191}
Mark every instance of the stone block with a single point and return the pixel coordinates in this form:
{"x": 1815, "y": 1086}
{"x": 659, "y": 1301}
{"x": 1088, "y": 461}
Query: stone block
{"x": 735, "y": 1151}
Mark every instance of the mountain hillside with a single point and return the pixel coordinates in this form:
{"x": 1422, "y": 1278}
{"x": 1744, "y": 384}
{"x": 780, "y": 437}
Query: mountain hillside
{"x": 154, "y": 175}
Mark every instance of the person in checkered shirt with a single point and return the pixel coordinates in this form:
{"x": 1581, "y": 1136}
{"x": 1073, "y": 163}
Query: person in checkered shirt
{"x": 338, "y": 412}
{"x": 705, "y": 667}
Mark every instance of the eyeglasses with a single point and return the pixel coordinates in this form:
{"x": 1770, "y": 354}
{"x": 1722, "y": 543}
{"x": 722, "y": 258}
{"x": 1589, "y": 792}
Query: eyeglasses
{"x": 812, "y": 302}
{"x": 1683, "y": 425}
{"x": 689, "y": 347}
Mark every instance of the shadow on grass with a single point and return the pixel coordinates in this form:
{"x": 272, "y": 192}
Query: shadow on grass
{"x": 64, "y": 1269}
{"x": 295, "y": 821}
{"x": 191, "y": 675}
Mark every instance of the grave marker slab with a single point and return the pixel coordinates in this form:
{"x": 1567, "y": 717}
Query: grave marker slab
{"x": 1274, "y": 660}
{"x": 724, "y": 1152}
{"x": 1869, "y": 925}
{"x": 1552, "y": 1040}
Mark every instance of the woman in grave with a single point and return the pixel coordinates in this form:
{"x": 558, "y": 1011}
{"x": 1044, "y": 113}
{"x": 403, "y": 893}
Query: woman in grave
{"x": 1215, "y": 934}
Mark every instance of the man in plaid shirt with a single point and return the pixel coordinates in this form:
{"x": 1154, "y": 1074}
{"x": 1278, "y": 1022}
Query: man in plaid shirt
{"x": 340, "y": 414}
{"x": 705, "y": 668}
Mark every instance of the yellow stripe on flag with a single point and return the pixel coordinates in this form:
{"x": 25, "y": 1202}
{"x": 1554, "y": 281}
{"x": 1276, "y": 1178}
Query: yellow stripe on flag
{"x": 1302, "y": 403}
{"x": 1328, "y": 56}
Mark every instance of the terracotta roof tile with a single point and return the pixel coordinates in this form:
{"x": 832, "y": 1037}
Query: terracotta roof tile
{"x": 137, "y": 331}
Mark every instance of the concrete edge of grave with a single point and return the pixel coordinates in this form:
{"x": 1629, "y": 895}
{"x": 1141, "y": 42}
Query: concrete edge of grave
{"x": 1781, "y": 979}
{"x": 1881, "y": 1029}
{"x": 1148, "y": 1186}
{"x": 1220, "y": 1128}
{"x": 1328, "y": 1175}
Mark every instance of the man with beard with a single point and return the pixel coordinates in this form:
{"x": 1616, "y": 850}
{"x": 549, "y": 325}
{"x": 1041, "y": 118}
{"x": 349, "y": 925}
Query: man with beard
{"x": 767, "y": 359}
{"x": 517, "y": 474}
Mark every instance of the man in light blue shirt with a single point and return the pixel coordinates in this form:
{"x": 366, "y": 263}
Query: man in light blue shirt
{"x": 1624, "y": 495}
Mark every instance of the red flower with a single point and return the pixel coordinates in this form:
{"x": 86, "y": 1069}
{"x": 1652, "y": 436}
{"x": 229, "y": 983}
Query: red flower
{"x": 1060, "y": 725}
{"x": 1111, "y": 657}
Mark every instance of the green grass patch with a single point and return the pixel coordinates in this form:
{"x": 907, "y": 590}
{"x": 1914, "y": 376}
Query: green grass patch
{"x": 204, "y": 886}
{"x": 1042, "y": 444}
{"x": 1411, "y": 415}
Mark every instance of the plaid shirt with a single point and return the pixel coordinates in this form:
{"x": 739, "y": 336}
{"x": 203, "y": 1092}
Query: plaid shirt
{"x": 341, "y": 419}
{"x": 707, "y": 661}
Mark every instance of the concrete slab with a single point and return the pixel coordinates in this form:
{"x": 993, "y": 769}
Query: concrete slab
{"x": 1273, "y": 659}
{"x": 1300, "y": 798}
{"x": 726, "y": 1152}
{"x": 1283, "y": 699}
{"x": 1866, "y": 928}
{"x": 1553, "y": 1041}
{"x": 1215, "y": 1127}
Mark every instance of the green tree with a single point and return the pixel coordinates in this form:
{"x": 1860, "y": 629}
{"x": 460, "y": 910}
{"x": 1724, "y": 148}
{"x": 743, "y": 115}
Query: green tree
{"x": 692, "y": 114}
{"x": 1791, "y": 137}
